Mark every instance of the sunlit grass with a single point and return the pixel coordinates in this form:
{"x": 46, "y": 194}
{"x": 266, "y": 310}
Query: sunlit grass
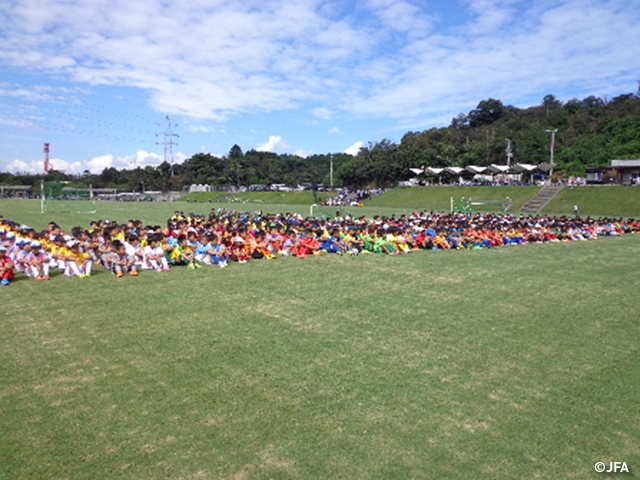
{"x": 518, "y": 362}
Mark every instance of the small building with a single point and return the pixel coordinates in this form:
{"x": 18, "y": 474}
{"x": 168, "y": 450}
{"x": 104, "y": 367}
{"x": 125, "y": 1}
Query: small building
{"x": 621, "y": 172}
{"x": 199, "y": 188}
{"x": 628, "y": 171}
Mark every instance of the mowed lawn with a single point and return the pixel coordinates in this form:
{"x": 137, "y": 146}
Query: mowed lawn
{"x": 517, "y": 362}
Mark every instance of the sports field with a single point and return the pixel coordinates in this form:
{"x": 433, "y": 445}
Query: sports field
{"x": 613, "y": 201}
{"x": 516, "y": 362}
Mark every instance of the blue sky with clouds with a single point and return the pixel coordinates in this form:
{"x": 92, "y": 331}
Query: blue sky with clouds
{"x": 96, "y": 78}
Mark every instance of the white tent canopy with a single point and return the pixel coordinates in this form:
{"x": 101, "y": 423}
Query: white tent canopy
{"x": 546, "y": 166}
{"x": 435, "y": 170}
{"x": 417, "y": 171}
{"x": 524, "y": 167}
{"x": 475, "y": 169}
{"x": 454, "y": 170}
{"x": 498, "y": 168}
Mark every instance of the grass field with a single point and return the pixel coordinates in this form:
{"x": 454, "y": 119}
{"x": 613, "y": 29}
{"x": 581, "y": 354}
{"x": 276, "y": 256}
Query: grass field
{"x": 518, "y": 362}
{"x": 273, "y": 198}
{"x": 597, "y": 201}
{"x": 439, "y": 198}
{"x": 28, "y": 211}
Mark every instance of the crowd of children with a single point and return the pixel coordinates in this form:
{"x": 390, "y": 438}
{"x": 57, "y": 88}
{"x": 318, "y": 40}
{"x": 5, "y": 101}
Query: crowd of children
{"x": 230, "y": 236}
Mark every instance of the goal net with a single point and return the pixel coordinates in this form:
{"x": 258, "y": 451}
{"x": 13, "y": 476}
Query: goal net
{"x": 477, "y": 204}
{"x": 61, "y": 197}
{"x": 460, "y": 205}
{"x": 490, "y": 204}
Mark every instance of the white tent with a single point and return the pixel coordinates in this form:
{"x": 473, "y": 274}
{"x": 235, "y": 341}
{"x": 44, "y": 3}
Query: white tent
{"x": 454, "y": 170}
{"x": 417, "y": 171}
{"x": 475, "y": 169}
{"x": 546, "y": 166}
{"x": 435, "y": 171}
{"x": 524, "y": 167}
{"x": 493, "y": 168}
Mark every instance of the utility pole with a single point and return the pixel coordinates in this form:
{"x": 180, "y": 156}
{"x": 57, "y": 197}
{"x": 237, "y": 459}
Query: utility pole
{"x": 509, "y": 152}
{"x": 487, "y": 146}
{"x": 551, "y": 148}
{"x": 47, "y": 164}
{"x": 168, "y": 141}
{"x": 331, "y": 172}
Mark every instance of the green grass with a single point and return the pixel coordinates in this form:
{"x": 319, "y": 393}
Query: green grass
{"x": 439, "y": 198}
{"x": 28, "y": 211}
{"x": 596, "y": 201}
{"x": 518, "y": 362}
{"x": 272, "y": 198}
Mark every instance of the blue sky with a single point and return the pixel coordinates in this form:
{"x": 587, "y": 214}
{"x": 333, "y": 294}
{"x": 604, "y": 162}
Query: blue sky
{"x": 96, "y": 78}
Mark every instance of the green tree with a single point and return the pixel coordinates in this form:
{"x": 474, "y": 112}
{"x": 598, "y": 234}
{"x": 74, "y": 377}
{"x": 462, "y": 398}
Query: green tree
{"x": 487, "y": 112}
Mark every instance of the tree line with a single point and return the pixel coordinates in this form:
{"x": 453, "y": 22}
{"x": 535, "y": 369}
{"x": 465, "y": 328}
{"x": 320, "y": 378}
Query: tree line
{"x": 592, "y": 131}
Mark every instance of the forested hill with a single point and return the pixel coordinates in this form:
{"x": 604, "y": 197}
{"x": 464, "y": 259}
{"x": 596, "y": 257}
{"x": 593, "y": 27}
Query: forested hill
{"x": 592, "y": 131}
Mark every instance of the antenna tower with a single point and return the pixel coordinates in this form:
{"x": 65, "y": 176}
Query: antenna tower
{"x": 168, "y": 141}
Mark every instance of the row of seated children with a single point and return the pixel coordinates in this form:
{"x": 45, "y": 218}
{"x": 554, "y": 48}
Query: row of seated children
{"x": 233, "y": 236}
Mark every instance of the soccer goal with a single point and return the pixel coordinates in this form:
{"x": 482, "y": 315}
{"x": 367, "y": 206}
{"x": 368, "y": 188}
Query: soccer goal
{"x": 62, "y": 197}
{"x": 490, "y": 204}
{"x": 476, "y": 204}
{"x": 460, "y": 205}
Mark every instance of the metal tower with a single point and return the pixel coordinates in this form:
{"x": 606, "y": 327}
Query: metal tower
{"x": 168, "y": 141}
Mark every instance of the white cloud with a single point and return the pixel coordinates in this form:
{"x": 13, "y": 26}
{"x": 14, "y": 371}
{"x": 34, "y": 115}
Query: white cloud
{"x": 98, "y": 164}
{"x": 301, "y": 152}
{"x": 402, "y": 16}
{"x": 20, "y": 166}
{"x": 199, "y": 129}
{"x": 277, "y": 144}
{"x": 141, "y": 159}
{"x": 37, "y": 166}
{"x": 274, "y": 144}
{"x": 376, "y": 58}
{"x": 532, "y": 53}
{"x": 354, "y": 149}
{"x": 16, "y": 123}
{"x": 321, "y": 112}
{"x": 334, "y": 130}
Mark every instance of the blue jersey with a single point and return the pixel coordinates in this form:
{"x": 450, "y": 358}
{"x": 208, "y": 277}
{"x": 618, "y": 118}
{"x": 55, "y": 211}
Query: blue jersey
{"x": 173, "y": 241}
{"x": 201, "y": 249}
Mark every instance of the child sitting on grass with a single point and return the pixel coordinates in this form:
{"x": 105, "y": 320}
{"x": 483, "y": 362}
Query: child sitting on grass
{"x": 182, "y": 254}
{"x": 215, "y": 252}
{"x": 40, "y": 260}
{"x": 120, "y": 262}
{"x": 153, "y": 255}
{"x": 291, "y": 244}
{"x": 6, "y": 267}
